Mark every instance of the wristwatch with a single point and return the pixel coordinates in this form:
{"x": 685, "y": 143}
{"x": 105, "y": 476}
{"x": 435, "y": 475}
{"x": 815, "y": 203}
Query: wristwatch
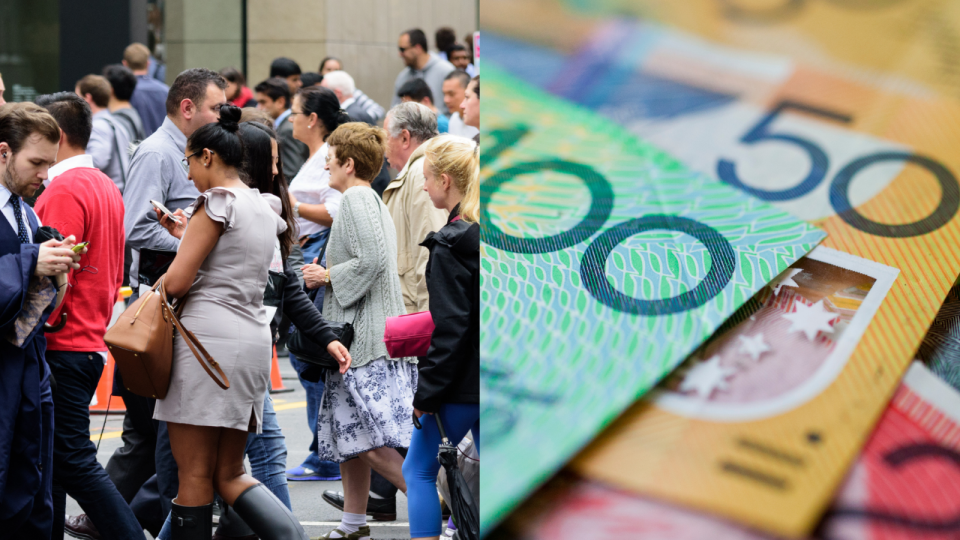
{"x": 296, "y": 210}
{"x": 326, "y": 278}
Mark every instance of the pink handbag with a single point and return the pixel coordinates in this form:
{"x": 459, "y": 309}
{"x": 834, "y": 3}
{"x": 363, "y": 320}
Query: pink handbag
{"x": 408, "y": 335}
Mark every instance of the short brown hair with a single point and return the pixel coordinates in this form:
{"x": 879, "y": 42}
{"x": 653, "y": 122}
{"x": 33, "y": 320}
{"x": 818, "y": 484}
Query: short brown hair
{"x": 137, "y": 56}
{"x": 192, "y": 84}
{"x": 98, "y": 87}
{"x": 249, "y": 114}
{"x": 364, "y": 143}
{"x": 18, "y": 121}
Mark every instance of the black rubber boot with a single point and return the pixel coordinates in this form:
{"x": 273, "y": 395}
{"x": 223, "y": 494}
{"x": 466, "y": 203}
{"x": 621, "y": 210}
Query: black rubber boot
{"x": 267, "y": 516}
{"x": 191, "y": 522}
{"x": 231, "y": 526}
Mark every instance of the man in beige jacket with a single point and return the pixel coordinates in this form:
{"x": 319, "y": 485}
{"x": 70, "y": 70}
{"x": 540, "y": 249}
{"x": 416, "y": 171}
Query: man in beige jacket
{"x": 408, "y": 126}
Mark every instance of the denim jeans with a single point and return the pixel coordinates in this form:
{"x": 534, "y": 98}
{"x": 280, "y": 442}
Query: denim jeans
{"x": 268, "y": 459}
{"x": 75, "y": 467}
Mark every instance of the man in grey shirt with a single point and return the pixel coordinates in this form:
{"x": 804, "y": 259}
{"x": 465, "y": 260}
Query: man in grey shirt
{"x": 421, "y": 64}
{"x": 108, "y": 139}
{"x": 156, "y": 170}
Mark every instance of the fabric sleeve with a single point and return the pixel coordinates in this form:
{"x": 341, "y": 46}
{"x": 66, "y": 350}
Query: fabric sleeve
{"x": 366, "y": 246}
{"x": 60, "y": 209}
{"x": 100, "y": 146}
{"x": 423, "y": 219}
{"x": 302, "y": 312}
{"x": 450, "y": 293}
{"x": 277, "y": 207}
{"x": 332, "y": 201}
{"x": 15, "y": 272}
{"x": 145, "y": 183}
{"x": 219, "y": 204}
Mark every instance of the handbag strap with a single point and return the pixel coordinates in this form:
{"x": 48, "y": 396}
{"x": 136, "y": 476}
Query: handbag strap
{"x": 323, "y": 250}
{"x": 193, "y": 342}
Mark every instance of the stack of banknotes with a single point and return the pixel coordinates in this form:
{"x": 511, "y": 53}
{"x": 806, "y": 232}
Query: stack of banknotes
{"x": 720, "y": 259}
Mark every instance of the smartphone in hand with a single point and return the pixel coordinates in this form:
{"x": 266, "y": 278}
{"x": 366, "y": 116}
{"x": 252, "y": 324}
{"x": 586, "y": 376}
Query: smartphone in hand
{"x": 163, "y": 209}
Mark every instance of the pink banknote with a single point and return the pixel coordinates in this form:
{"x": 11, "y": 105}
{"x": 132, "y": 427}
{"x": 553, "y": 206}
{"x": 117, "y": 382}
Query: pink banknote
{"x": 905, "y": 485}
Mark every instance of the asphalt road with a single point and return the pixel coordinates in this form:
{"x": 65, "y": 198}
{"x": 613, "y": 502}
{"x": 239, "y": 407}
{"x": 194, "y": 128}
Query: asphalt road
{"x": 316, "y": 515}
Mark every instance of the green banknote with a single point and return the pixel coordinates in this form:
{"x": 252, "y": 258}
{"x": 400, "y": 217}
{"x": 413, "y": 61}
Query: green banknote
{"x": 604, "y": 263}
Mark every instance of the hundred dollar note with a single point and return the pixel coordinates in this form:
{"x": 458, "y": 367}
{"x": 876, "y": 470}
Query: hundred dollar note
{"x": 871, "y": 159}
{"x": 605, "y": 262}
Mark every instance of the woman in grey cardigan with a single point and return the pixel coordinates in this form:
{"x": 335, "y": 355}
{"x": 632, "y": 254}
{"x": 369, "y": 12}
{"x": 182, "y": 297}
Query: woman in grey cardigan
{"x": 365, "y": 412}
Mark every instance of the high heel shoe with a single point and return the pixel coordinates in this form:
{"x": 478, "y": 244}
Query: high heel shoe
{"x": 191, "y": 522}
{"x": 267, "y": 516}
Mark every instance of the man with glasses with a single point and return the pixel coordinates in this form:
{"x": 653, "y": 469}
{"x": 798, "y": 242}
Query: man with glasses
{"x": 157, "y": 173}
{"x": 421, "y": 64}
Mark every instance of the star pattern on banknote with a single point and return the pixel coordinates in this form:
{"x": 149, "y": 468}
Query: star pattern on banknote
{"x": 753, "y": 346}
{"x": 810, "y": 319}
{"x": 706, "y": 377}
{"x": 785, "y": 279}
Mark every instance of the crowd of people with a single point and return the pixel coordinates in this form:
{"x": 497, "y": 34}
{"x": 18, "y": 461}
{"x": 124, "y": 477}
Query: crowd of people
{"x": 292, "y": 206}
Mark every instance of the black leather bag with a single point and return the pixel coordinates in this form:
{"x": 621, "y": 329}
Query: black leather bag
{"x": 310, "y": 352}
{"x": 153, "y": 265}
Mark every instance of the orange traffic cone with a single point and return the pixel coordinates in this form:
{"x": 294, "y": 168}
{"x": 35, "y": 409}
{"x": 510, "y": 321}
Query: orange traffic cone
{"x": 104, "y": 390}
{"x": 102, "y": 397}
{"x": 276, "y": 382}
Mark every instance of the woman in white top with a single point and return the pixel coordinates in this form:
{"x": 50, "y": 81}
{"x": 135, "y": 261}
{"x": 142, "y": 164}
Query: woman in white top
{"x": 315, "y": 113}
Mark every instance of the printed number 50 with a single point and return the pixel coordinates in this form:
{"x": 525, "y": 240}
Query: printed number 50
{"x": 840, "y": 186}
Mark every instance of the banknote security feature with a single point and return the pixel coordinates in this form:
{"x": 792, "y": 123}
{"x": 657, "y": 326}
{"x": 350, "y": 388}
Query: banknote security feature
{"x": 604, "y": 263}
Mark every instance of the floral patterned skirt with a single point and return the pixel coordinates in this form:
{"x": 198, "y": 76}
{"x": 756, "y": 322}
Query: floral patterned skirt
{"x": 366, "y": 408}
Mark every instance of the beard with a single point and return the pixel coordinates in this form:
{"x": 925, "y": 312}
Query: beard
{"x": 15, "y": 183}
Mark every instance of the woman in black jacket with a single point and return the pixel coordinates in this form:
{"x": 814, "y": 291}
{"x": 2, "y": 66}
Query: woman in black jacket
{"x": 449, "y": 376}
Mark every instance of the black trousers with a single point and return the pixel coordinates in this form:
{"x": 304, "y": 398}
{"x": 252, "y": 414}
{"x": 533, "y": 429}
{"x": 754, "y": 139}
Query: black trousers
{"x": 76, "y": 470}
{"x": 144, "y": 470}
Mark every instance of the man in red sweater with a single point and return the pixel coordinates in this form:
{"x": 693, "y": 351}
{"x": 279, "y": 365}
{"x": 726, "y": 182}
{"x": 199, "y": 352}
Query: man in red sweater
{"x": 80, "y": 200}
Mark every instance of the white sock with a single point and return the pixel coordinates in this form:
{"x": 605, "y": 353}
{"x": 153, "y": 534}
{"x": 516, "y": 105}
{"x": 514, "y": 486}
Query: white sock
{"x": 351, "y": 523}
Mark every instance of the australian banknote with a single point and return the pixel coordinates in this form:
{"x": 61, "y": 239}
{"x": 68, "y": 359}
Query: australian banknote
{"x": 862, "y": 153}
{"x": 904, "y": 485}
{"x": 605, "y": 262}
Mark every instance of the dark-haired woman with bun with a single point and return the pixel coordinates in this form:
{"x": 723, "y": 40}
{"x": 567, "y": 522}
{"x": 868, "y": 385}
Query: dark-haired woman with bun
{"x": 221, "y": 269}
{"x": 315, "y": 113}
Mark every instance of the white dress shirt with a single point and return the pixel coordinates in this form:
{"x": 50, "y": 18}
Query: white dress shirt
{"x": 7, "y": 209}
{"x": 312, "y": 186}
{"x": 83, "y": 160}
{"x": 457, "y": 127}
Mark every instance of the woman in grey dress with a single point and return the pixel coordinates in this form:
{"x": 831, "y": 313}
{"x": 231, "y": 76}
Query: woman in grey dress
{"x": 220, "y": 272}
{"x": 366, "y": 410}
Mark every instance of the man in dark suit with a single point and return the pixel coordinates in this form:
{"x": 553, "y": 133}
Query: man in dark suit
{"x": 28, "y": 147}
{"x": 273, "y": 96}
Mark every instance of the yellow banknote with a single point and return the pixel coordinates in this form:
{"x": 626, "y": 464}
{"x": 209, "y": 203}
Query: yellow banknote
{"x": 916, "y": 39}
{"x": 870, "y": 158}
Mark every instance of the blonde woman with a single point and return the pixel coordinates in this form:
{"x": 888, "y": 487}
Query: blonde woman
{"x": 449, "y": 376}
